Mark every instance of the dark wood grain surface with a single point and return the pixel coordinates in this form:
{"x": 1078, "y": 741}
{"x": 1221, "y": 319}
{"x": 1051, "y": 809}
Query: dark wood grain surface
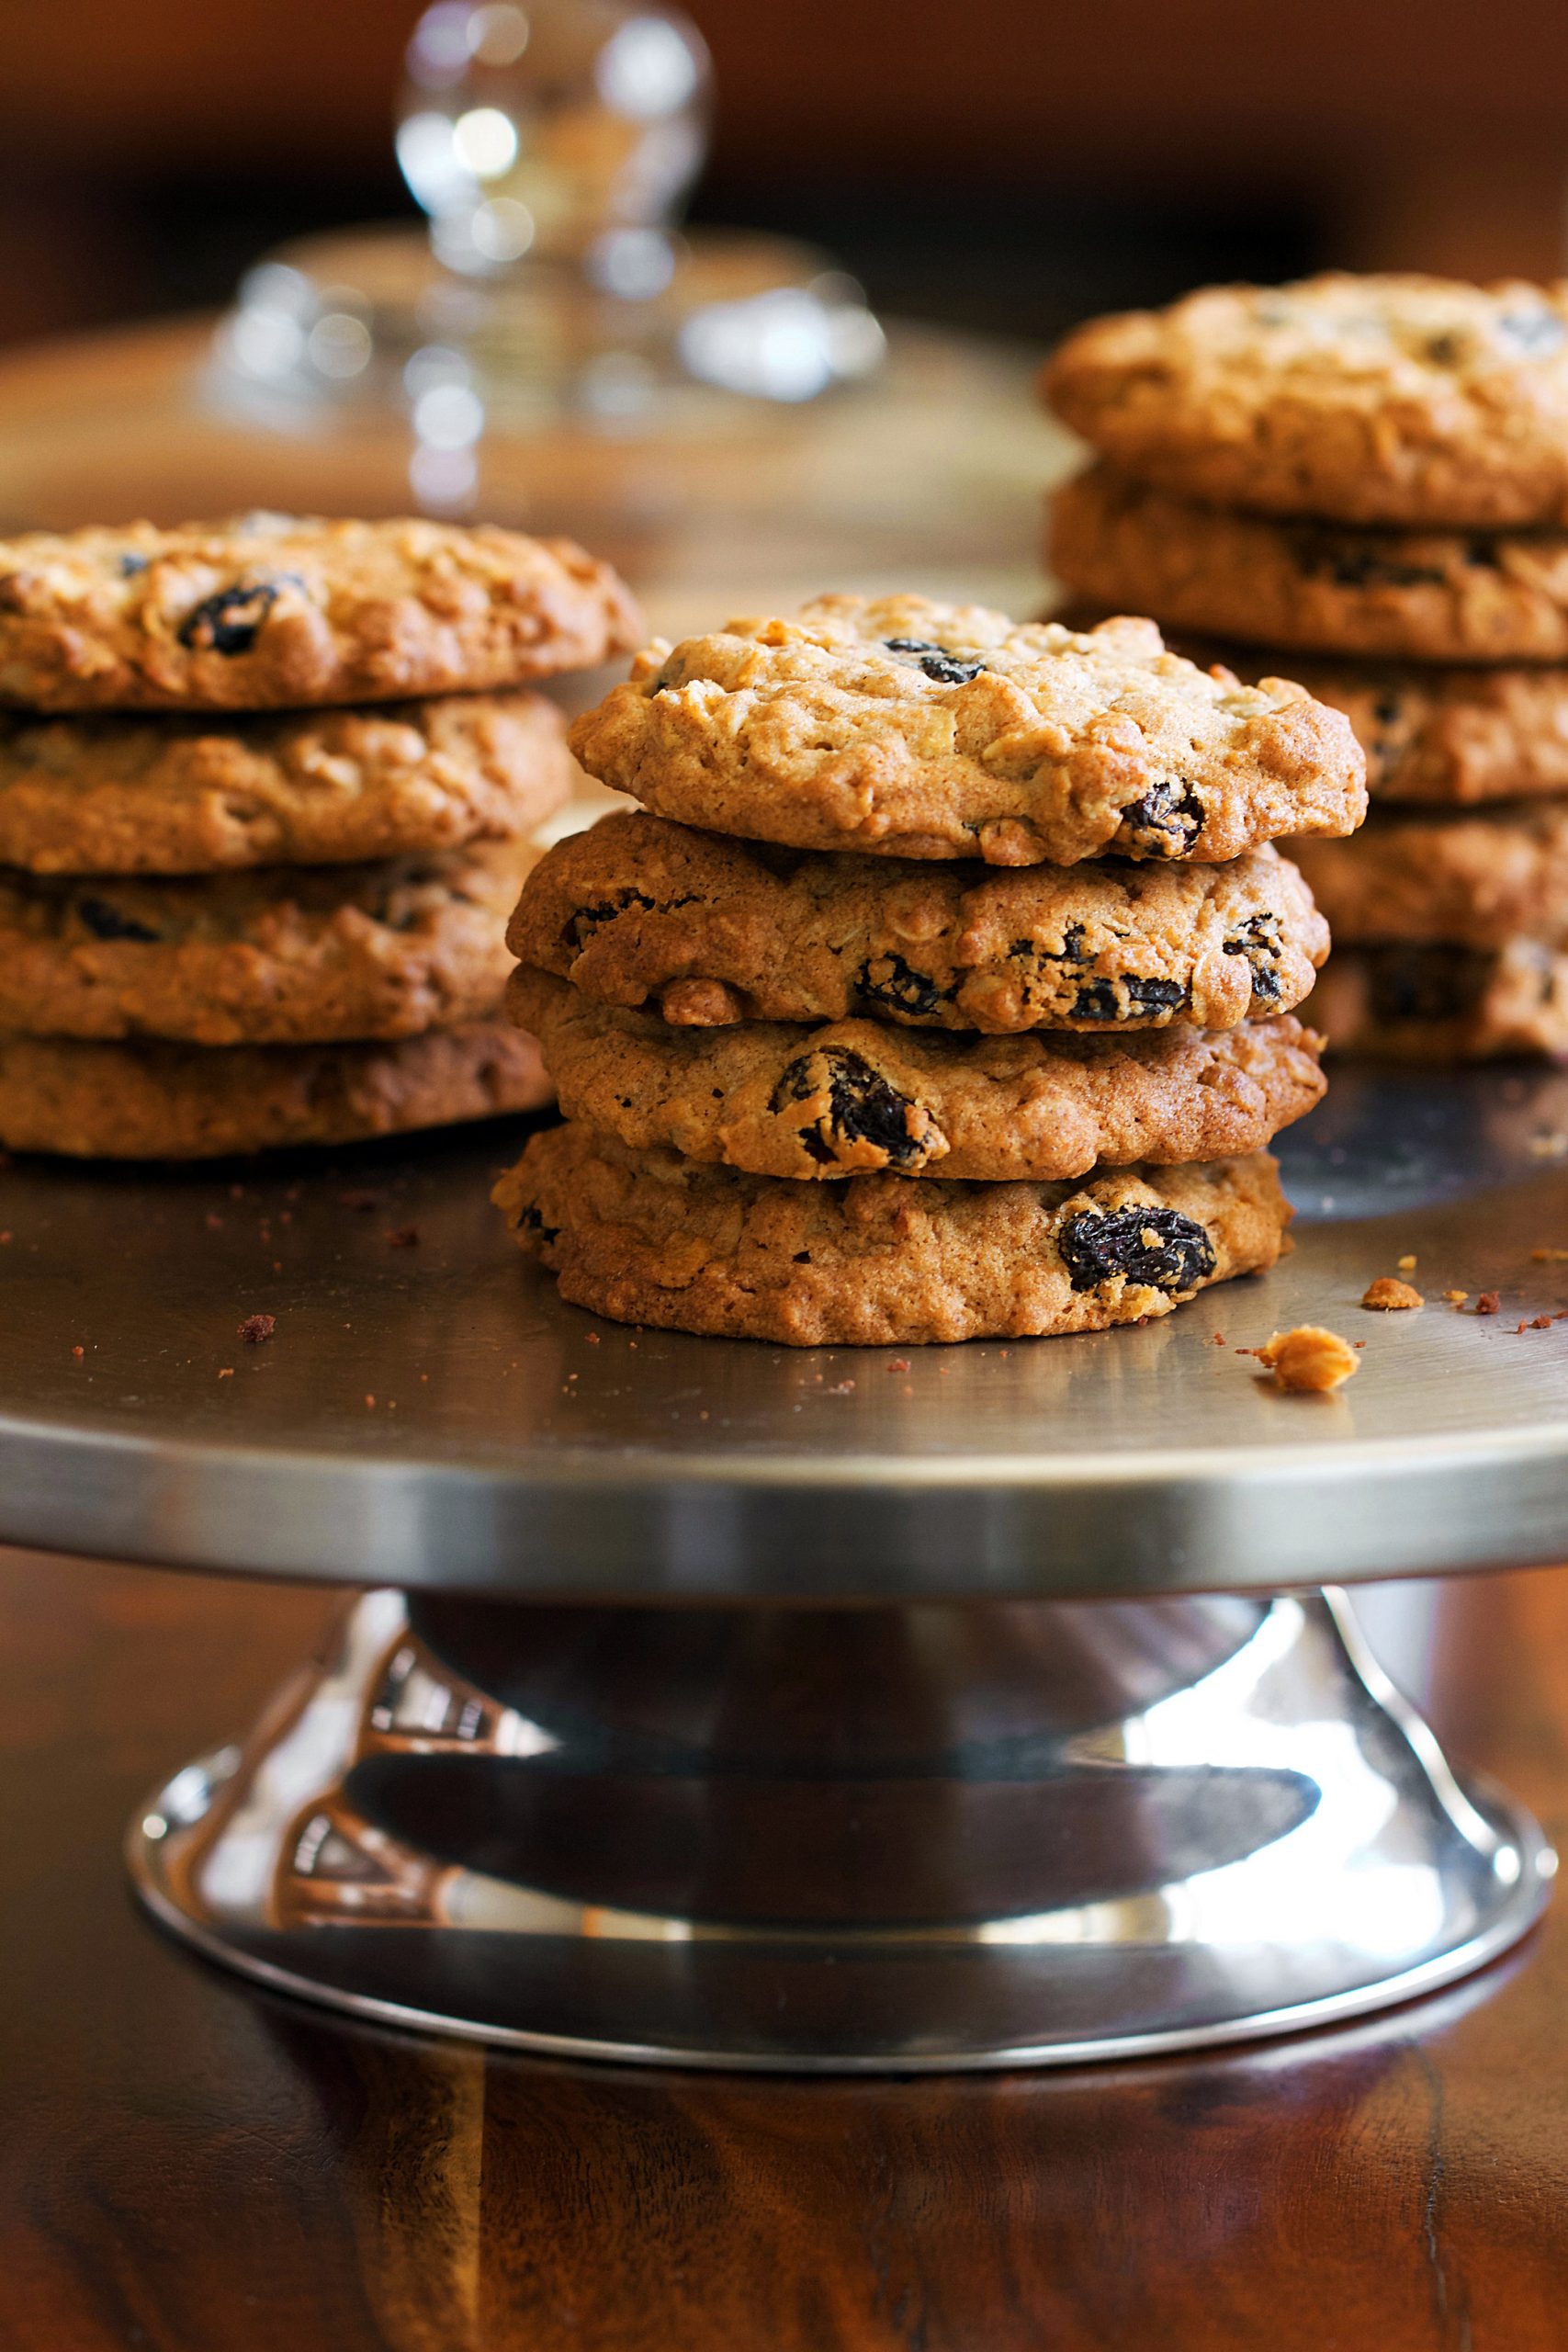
{"x": 186, "y": 2166}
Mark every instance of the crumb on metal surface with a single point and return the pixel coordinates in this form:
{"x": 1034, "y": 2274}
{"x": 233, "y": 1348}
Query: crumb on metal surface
{"x": 1487, "y": 1303}
{"x": 257, "y": 1327}
{"x": 1309, "y": 1359}
{"x": 1388, "y": 1296}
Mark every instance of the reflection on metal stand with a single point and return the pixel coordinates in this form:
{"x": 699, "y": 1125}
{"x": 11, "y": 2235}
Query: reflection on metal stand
{"x": 551, "y": 148}
{"x": 844, "y": 1840}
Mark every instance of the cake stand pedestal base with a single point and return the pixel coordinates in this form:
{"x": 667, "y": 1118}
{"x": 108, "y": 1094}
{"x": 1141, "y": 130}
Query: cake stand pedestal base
{"x": 843, "y": 1839}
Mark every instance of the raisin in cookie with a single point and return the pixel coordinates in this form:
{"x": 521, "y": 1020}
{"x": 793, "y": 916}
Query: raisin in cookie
{"x": 1313, "y": 587}
{"x": 279, "y": 958}
{"x": 274, "y": 611}
{"x": 1461, "y": 881}
{"x": 647, "y": 1236}
{"x": 915, "y": 729}
{"x": 857, "y": 1095}
{"x": 1445, "y": 1005}
{"x": 190, "y": 796}
{"x": 1401, "y": 400}
{"x": 638, "y": 910}
{"x": 167, "y": 1101}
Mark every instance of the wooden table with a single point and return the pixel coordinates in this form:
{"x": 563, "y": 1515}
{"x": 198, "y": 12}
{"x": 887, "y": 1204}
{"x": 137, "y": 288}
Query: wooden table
{"x": 188, "y": 2167}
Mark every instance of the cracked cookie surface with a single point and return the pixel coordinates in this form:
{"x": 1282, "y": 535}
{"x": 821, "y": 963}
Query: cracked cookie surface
{"x": 281, "y": 956}
{"x": 853, "y": 1096}
{"x": 276, "y": 611}
{"x": 902, "y": 728}
{"x": 647, "y": 1236}
{"x": 707, "y": 930}
{"x": 1382, "y": 398}
{"x": 170, "y": 1102}
{"x": 195, "y": 796}
{"x": 1311, "y": 587}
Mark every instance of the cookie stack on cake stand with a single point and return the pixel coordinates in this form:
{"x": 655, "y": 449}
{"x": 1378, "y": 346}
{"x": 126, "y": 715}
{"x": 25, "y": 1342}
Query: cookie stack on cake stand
{"x": 1371, "y": 472}
{"x": 940, "y": 990}
{"x": 265, "y": 794}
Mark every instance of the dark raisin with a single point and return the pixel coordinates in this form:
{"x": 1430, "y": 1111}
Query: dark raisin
{"x": 862, "y": 1108}
{"x": 1159, "y": 1247}
{"x": 106, "y": 923}
{"x": 1480, "y": 554}
{"x": 230, "y": 620}
{"x": 586, "y": 921}
{"x": 1099, "y": 1000}
{"x": 942, "y": 669}
{"x": 130, "y": 565}
{"x": 893, "y": 985}
{"x": 803, "y": 1257}
{"x": 1166, "y": 821}
{"x": 532, "y": 1220}
{"x": 1425, "y": 983}
{"x": 1533, "y": 333}
{"x": 1259, "y": 940}
{"x": 1071, "y": 951}
{"x": 1357, "y": 562}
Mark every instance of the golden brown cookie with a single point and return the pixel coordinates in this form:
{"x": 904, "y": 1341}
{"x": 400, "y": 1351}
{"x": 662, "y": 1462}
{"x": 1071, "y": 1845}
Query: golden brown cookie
{"x": 1445, "y": 1005}
{"x": 282, "y": 956}
{"x": 647, "y": 1236}
{"x": 1393, "y": 399}
{"x": 639, "y": 910}
{"x": 271, "y": 612}
{"x": 193, "y": 796}
{"x": 857, "y": 1095}
{"x": 1450, "y": 737}
{"x": 1311, "y": 587}
{"x": 1433, "y": 879}
{"x": 904, "y": 728}
{"x": 165, "y": 1101}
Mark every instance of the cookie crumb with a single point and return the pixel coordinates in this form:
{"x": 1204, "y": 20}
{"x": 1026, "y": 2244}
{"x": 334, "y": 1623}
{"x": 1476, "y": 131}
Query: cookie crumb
{"x": 1487, "y": 1303}
{"x": 213, "y": 1222}
{"x": 360, "y": 1201}
{"x": 226, "y": 1372}
{"x": 897, "y": 1364}
{"x": 1308, "y": 1357}
{"x": 592, "y": 1338}
{"x": 402, "y": 1237}
{"x": 1549, "y": 1257}
{"x": 1456, "y": 1297}
{"x": 841, "y": 1389}
{"x": 1405, "y": 1265}
{"x": 78, "y": 1352}
{"x": 1387, "y": 1296}
{"x": 257, "y": 1327}
{"x": 1548, "y": 1146}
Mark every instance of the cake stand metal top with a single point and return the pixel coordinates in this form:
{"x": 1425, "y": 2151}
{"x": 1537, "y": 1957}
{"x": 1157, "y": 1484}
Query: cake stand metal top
{"x": 428, "y": 1412}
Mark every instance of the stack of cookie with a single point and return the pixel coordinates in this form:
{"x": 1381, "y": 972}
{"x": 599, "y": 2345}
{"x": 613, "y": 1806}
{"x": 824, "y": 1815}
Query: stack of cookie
{"x": 1372, "y": 467}
{"x": 282, "y": 921}
{"x": 940, "y": 990}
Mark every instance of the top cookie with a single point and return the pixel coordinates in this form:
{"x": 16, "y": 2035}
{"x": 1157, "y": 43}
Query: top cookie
{"x": 908, "y": 729}
{"x": 1403, "y": 399}
{"x": 272, "y": 611}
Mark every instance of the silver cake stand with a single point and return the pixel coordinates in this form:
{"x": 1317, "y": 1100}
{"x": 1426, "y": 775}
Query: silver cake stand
{"x": 721, "y": 1704}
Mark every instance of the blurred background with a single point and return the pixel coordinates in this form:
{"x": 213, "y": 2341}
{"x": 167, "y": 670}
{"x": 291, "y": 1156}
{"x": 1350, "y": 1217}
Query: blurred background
{"x": 1007, "y": 164}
